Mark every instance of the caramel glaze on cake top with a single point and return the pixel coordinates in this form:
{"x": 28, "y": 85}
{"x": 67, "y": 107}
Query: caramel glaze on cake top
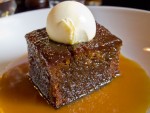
{"x": 64, "y": 73}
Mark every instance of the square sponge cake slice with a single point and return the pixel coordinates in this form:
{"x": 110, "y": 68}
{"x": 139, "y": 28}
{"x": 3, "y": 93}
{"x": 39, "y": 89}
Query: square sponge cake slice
{"x": 63, "y": 73}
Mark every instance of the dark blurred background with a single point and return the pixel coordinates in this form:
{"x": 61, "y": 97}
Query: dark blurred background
{"x": 26, "y": 5}
{"x": 139, "y": 4}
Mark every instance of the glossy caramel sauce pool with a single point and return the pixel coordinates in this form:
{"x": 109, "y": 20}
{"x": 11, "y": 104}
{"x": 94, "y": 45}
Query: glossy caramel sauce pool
{"x": 128, "y": 93}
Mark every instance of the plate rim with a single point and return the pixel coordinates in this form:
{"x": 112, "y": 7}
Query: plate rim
{"x": 28, "y": 13}
{"x": 90, "y": 7}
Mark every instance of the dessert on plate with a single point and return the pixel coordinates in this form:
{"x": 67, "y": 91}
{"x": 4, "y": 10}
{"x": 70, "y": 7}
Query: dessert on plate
{"x": 73, "y": 56}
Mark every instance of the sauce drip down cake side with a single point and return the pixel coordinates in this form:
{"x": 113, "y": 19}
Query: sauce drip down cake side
{"x": 63, "y": 73}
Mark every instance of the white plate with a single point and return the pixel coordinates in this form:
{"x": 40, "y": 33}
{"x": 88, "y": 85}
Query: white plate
{"x": 131, "y": 25}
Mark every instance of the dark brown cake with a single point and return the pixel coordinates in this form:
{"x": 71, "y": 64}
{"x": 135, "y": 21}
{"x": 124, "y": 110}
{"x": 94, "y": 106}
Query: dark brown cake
{"x": 64, "y": 73}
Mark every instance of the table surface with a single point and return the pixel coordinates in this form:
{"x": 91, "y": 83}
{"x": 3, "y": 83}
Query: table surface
{"x": 26, "y": 5}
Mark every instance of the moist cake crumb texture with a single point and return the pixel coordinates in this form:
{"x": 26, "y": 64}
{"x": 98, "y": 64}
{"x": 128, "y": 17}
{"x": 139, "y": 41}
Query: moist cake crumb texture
{"x": 63, "y": 73}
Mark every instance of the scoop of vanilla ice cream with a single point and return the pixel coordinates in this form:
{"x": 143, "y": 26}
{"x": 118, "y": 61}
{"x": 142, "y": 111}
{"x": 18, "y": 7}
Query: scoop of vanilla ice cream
{"x": 70, "y": 22}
